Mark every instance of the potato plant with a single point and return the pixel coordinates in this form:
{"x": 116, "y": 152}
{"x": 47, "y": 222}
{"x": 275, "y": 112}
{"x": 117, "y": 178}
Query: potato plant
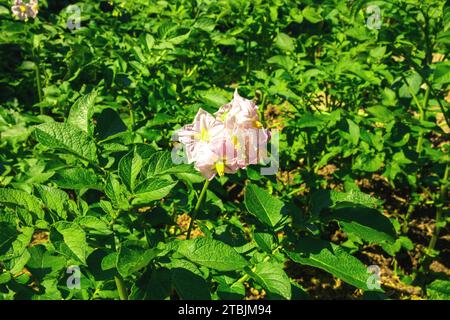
{"x": 345, "y": 195}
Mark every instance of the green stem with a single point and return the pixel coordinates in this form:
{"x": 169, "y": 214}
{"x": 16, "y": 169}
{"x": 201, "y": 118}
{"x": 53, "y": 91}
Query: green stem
{"x": 38, "y": 81}
{"x": 262, "y": 106}
{"x": 121, "y": 287}
{"x": 422, "y": 111}
{"x": 439, "y": 210}
{"x": 130, "y": 109}
{"x": 407, "y": 216}
{"x": 120, "y": 283}
{"x": 197, "y": 208}
{"x": 247, "y": 63}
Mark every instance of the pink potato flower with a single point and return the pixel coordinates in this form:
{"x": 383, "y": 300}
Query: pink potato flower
{"x": 25, "y": 10}
{"x": 226, "y": 143}
{"x": 207, "y": 144}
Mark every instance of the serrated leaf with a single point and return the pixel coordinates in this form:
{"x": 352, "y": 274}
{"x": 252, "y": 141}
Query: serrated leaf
{"x": 64, "y": 136}
{"x": 333, "y": 259}
{"x": 212, "y": 253}
{"x": 22, "y": 199}
{"x": 263, "y": 205}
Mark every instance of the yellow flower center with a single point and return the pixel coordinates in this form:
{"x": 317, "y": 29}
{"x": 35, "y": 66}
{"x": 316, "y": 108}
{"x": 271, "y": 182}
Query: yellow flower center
{"x": 22, "y": 8}
{"x": 257, "y": 124}
{"x": 223, "y": 116}
{"x": 204, "y": 136}
{"x": 220, "y": 167}
{"x": 235, "y": 141}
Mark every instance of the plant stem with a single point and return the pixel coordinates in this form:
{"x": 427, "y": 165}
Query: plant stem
{"x": 247, "y": 63}
{"x": 131, "y": 111}
{"x": 439, "y": 210}
{"x": 120, "y": 284}
{"x": 196, "y": 208}
{"x": 38, "y": 83}
{"x": 121, "y": 287}
{"x": 38, "y": 80}
{"x": 422, "y": 111}
{"x": 262, "y": 106}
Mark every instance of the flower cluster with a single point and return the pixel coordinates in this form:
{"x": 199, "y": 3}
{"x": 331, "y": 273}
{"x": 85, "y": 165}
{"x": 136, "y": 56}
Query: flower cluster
{"x": 230, "y": 140}
{"x": 25, "y": 10}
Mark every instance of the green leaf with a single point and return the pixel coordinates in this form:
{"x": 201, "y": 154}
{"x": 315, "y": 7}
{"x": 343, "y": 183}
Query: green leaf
{"x": 353, "y": 132}
{"x": 333, "y": 259}
{"x": 81, "y": 112}
{"x": 441, "y": 74}
{"x": 368, "y": 224}
{"x": 16, "y": 255}
{"x": 132, "y": 258}
{"x": 229, "y": 288}
{"x": 74, "y": 240}
{"x": 93, "y": 224}
{"x": 54, "y": 199}
{"x": 160, "y": 284}
{"x": 129, "y": 167}
{"x": 311, "y": 14}
{"x": 108, "y": 123}
{"x": 189, "y": 285}
{"x": 43, "y": 264}
{"x": 368, "y": 163}
{"x": 76, "y": 178}
{"x": 439, "y": 290}
{"x": 272, "y": 278}
{"x": 333, "y": 199}
{"x": 116, "y": 192}
{"x": 8, "y": 234}
{"x": 4, "y": 11}
{"x": 284, "y": 42}
{"x": 212, "y": 253}
{"x": 152, "y": 189}
{"x": 22, "y": 199}
{"x": 161, "y": 163}
{"x": 67, "y": 137}
{"x": 264, "y": 240}
{"x": 263, "y": 205}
